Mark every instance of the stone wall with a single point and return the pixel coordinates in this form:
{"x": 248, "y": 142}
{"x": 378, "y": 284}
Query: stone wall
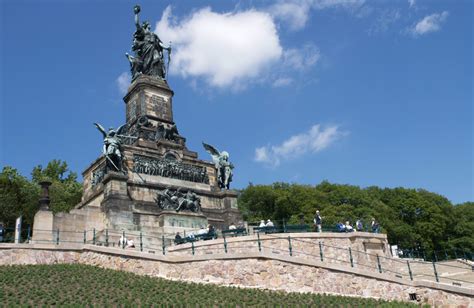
{"x": 335, "y": 246}
{"x": 47, "y": 224}
{"x": 254, "y": 270}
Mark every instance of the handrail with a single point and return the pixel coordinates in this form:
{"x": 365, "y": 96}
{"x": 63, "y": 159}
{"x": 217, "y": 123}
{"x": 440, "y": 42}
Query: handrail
{"x": 318, "y": 250}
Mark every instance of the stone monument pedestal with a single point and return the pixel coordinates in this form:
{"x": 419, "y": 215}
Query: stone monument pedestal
{"x": 170, "y": 222}
{"x": 43, "y": 227}
{"x": 154, "y": 158}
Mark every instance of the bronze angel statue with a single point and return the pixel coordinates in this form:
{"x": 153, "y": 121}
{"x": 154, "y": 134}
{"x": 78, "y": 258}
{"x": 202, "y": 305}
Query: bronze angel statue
{"x": 112, "y": 149}
{"x": 223, "y": 166}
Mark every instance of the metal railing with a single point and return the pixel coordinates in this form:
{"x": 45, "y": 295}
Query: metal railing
{"x": 283, "y": 226}
{"x": 437, "y": 255}
{"x": 451, "y": 272}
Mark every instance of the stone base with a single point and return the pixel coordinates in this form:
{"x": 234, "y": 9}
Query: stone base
{"x": 43, "y": 227}
{"x": 171, "y": 222}
{"x": 116, "y": 202}
{"x": 252, "y": 269}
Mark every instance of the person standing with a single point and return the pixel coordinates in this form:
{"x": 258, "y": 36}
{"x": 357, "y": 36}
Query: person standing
{"x": 178, "y": 239}
{"x": 318, "y": 221}
{"x": 348, "y": 227}
{"x": 375, "y": 226}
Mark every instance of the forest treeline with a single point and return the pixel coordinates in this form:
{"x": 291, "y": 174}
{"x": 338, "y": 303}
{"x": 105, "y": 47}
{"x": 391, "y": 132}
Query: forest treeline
{"x": 412, "y": 218}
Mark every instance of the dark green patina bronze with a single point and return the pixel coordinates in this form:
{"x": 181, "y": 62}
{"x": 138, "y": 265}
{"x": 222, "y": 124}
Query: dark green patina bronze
{"x": 148, "y": 49}
{"x": 223, "y": 165}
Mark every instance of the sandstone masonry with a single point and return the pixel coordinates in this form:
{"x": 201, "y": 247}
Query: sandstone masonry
{"x": 253, "y": 270}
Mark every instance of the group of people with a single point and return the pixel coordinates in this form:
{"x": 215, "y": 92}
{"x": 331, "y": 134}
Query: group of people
{"x": 126, "y": 243}
{"x": 232, "y": 226}
{"x": 269, "y": 223}
{"x": 347, "y": 227}
{"x": 210, "y": 231}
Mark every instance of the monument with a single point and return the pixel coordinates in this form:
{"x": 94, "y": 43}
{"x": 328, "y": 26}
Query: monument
{"x": 147, "y": 179}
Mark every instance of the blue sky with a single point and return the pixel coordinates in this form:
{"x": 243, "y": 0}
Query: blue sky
{"x": 350, "y": 91}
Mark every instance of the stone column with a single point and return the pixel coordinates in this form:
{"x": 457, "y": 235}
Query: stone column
{"x": 231, "y": 212}
{"x": 18, "y": 230}
{"x": 115, "y": 186}
{"x": 117, "y": 204}
{"x": 43, "y": 222}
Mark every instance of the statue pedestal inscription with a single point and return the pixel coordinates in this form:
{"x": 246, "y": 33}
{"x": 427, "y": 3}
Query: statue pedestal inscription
{"x": 171, "y": 222}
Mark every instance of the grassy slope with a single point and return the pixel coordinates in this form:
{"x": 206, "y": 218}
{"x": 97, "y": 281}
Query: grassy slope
{"x": 81, "y": 285}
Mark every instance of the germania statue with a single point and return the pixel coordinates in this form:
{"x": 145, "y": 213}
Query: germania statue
{"x": 223, "y": 165}
{"x": 148, "y": 49}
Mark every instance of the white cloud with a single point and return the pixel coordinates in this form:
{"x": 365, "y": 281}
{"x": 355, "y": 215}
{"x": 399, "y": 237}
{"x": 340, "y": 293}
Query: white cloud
{"x": 261, "y": 154}
{"x": 296, "y": 12}
{"x": 314, "y": 140}
{"x": 411, "y": 3}
{"x": 294, "y": 60}
{"x": 345, "y": 4}
{"x": 282, "y": 82}
{"x": 123, "y": 82}
{"x": 430, "y": 23}
{"x": 386, "y": 18}
{"x": 227, "y": 49}
{"x": 301, "y": 59}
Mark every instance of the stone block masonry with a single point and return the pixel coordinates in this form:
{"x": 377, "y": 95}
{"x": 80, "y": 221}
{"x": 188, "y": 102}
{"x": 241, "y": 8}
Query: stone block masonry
{"x": 253, "y": 270}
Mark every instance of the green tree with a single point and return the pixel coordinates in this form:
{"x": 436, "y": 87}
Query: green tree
{"x": 18, "y": 196}
{"x": 65, "y": 191}
{"x": 412, "y": 218}
{"x": 257, "y": 202}
{"x": 463, "y": 227}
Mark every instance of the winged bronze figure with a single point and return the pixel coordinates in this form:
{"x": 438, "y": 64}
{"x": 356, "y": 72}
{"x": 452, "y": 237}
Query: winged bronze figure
{"x": 222, "y": 164}
{"x": 112, "y": 149}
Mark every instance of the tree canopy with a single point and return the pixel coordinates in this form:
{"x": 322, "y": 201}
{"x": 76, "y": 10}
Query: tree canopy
{"x": 410, "y": 217}
{"x": 19, "y": 195}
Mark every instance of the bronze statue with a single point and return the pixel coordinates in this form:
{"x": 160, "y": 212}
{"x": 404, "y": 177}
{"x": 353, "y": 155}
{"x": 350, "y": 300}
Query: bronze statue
{"x": 189, "y": 201}
{"x": 177, "y": 200}
{"x": 163, "y": 132}
{"x": 112, "y": 150}
{"x": 148, "y": 48}
{"x": 223, "y": 166}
